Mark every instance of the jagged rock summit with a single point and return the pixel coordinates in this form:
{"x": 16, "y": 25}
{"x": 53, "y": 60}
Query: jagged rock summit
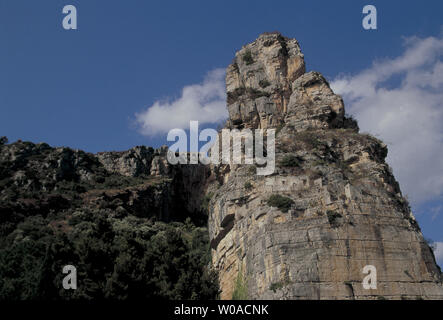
{"x": 332, "y": 206}
{"x": 267, "y": 87}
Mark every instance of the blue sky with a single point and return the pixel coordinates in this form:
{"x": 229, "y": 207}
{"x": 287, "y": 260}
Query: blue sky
{"x": 83, "y": 88}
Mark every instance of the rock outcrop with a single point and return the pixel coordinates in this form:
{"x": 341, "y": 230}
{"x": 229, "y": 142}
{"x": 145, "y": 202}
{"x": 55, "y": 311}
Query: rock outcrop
{"x": 331, "y": 207}
{"x": 132, "y": 225}
{"x": 258, "y": 82}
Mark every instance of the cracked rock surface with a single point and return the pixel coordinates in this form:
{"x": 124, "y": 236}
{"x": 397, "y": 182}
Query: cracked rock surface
{"x": 345, "y": 208}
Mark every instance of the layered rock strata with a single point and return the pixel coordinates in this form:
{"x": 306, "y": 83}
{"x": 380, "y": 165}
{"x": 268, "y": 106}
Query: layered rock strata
{"x": 335, "y": 207}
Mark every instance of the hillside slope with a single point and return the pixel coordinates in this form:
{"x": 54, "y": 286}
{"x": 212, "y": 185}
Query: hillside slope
{"x": 332, "y": 205}
{"x": 117, "y": 217}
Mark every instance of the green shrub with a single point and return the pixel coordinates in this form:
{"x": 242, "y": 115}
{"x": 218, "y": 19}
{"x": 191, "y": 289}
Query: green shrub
{"x": 240, "y": 288}
{"x": 290, "y": 160}
{"x": 235, "y": 94}
{"x": 350, "y": 122}
{"x": 254, "y": 93}
{"x": 344, "y": 167}
{"x": 333, "y": 218}
{"x": 278, "y": 285}
{"x": 264, "y": 83}
{"x": 248, "y": 185}
{"x": 281, "y": 202}
{"x": 275, "y": 286}
{"x": 247, "y": 58}
{"x": 205, "y": 202}
{"x": 320, "y": 163}
{"x": 311, "y": 139}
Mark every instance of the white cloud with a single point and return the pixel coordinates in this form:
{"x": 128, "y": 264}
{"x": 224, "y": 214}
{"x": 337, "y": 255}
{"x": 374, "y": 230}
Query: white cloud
{"x": 205, "y": 102}
{"x": 438, "y": 252}
{"x": 400, "y": 100}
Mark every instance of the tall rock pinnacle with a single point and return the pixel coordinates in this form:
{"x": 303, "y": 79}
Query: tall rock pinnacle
{"x": 267, "y": 86}
{"x": 331, "y": 208}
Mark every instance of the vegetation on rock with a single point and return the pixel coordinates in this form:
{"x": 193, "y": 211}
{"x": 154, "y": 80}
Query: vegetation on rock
{"x": 240, "y": 288}
{"x": 62, "y": 207}
{"x": 281, "y": 202}
{"x": 290, "y": 160}
{"x": 247, "y": 58}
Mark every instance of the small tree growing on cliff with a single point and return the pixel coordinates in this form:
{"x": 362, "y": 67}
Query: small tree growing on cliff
{"x": 247, "y": 58}
{"x": 3, "y": 140}
{"x": 290, "y": 160}
{"x": 281, "y": 202}
{"x": 241, "y": 288}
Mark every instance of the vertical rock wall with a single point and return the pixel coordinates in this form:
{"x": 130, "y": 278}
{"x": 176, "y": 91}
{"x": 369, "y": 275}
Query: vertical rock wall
{"x": 338, "y": 205}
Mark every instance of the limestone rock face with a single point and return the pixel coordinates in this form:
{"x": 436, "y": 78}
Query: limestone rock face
{"x": 187, "y": 182}
{"x": 336, "y": 208}
{"x": 258, "y": 82}
{"x": 131, "y": 163}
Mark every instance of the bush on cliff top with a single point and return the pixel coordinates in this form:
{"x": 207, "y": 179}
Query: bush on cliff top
{"x": 240, "y": 288}
{"x": 247, "y": 58}
{"x": 290, "y": 160}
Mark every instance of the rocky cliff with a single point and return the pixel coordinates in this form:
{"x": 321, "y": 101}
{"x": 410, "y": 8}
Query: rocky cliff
{"x": 135, "y": 226}
{"x": 124, "y": 220}
{"x": 332, "y": 205}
